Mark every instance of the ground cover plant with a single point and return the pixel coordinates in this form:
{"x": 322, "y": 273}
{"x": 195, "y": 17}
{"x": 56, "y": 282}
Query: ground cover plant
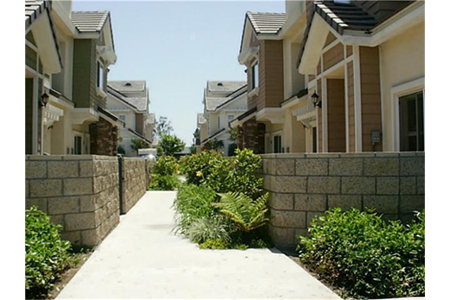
{"x": 222, "y": 205}
{"x": 365, "y": 255}
{"x": 46, "y": 255}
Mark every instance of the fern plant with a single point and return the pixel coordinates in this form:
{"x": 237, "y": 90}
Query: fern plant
{"x": 246, "y": 213}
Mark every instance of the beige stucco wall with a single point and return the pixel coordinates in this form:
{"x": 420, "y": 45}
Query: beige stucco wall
{"x": 402, "y": 60}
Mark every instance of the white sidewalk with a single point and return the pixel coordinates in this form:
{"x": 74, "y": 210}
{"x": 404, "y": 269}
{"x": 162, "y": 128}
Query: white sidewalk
{"x": 142, "y": 258}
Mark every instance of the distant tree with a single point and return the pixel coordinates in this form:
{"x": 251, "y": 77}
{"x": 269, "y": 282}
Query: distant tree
{"x": 170, "y": 144}
{"x": 163, "y": 126}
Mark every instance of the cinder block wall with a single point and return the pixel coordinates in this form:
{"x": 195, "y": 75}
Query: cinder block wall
{"x": 134, "y": 183}
{"x": 79, "y": 192}
{"x": 303, "y": 186}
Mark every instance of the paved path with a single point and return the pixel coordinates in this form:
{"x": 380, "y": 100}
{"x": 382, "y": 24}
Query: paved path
{"x": 142, "y": 258}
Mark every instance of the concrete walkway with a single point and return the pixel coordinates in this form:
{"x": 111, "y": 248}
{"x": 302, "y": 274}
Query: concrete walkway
{"x": 142, "y": 258}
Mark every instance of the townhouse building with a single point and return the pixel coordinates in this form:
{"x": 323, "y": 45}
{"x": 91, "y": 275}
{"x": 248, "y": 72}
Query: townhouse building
{"x": 67, "y": 58}
{"x": 334, "y": 76}
{"x": 129, "y": 101}
{"x": 223, "y": 101}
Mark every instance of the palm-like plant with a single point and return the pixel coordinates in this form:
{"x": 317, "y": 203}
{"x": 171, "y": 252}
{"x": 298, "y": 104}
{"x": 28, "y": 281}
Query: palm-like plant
{"x": 246, "y": 213}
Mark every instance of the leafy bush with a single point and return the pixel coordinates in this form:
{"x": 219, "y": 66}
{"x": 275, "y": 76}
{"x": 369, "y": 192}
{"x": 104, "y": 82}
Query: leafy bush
{"x": 246, "y": 213}
{"x": 121, "y": 150}
{"x": 236, "y": 174}
{"x": 367, "y": 256}
{"x": 193, "y": 203}
{"x": 46, "y": 255}
{"x": 164, "y": 182}
{"x": 232, "y": 149}
{"x": 205, "y": 167}
{"x": 165, "y": 165}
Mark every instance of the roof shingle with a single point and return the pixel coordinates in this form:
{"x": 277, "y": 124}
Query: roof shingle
{"x": 89, "y": 21}
{"x": 266, "y": 22}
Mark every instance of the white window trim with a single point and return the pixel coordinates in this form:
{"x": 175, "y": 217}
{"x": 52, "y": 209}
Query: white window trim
{"x": 253, "y": 84}
{"x": 100, "y": 89}
{"x": 398, "y": 91}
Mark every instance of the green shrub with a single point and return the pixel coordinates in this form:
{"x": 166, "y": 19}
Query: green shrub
{"x": 243, "y": 176}
{"x": 232, "y": 149}
{"x": 164, "y": 182}
{"x": 193, "y": 203}
{"x": 165, "y": 165}
{"x": 236, "y": 174}
{"x": 121, "y": 150}
{"x": 46, "y": 255}
{"x": 366, "y": 256}
{"x": 206, "y": 167}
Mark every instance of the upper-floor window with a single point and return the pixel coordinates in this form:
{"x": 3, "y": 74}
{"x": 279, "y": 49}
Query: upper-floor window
{"x": 218, "y": 122}
{"x": 255, "y": 76}
{"x": 122, "y": 117}
{"x": 230, "y": 118}
{"x": 100, "y": 76}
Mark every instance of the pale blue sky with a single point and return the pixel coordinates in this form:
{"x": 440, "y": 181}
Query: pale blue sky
{"x": 177, "y": 46}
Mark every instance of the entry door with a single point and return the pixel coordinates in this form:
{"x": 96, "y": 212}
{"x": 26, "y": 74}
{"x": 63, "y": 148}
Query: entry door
{"x": 77, "y": 145}
{"x": 314, "y": 139}
{"x": 277, "y": 148}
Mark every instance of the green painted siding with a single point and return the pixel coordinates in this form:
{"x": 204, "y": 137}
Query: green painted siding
{"x": 81, "y": 72}
{"x": 30, "y": 58}
{"x": 85, "y": 75}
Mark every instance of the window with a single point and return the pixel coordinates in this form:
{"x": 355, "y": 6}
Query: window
{"x": 411, "y": 122}
{"x": 218, "y": 122}
{"x": 255, "y": 76}
{"x": 100, "y": 76}
{"x": 122, "y": 117}
{"x": 230, "y": 118}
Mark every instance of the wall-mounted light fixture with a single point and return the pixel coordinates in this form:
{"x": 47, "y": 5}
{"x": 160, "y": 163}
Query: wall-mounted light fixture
{"x": 44, "y": 100}
{"x": 315, "y": 100}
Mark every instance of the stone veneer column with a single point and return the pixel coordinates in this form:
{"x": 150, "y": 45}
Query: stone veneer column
{"x": 253, "y": 136}
{"x": 104, "y": 138}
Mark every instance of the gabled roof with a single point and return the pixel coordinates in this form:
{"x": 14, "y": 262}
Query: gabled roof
{"x": 89, "y": 21}
{"x": 33, "y": 9}
{"x": 128, "y": 85}
{"x": 214, "y": 94}
{"x": 224, "y": 85}
{"x": 214, "y": 135}
{"x": 263, "y": 22}
{"x": 118, "y": 95}
{"x": 351, "y": 16}
{"x": 127, "y": 88}
{"x": 139, "y": 136}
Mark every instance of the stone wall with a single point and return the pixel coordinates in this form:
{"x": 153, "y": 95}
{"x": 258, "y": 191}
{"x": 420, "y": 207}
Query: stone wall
{"x": 303, "y": 186}
{"x": 134, "y": 181}
{"x": 79, "y": 192}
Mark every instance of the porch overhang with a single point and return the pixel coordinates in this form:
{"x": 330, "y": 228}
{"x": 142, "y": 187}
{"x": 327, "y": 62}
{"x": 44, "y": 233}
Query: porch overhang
{"x": 274, "y": 115}
{"x": 81, "y": 115}
{"x": 243, "y": 118}
{"x": 110, "y": 117}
